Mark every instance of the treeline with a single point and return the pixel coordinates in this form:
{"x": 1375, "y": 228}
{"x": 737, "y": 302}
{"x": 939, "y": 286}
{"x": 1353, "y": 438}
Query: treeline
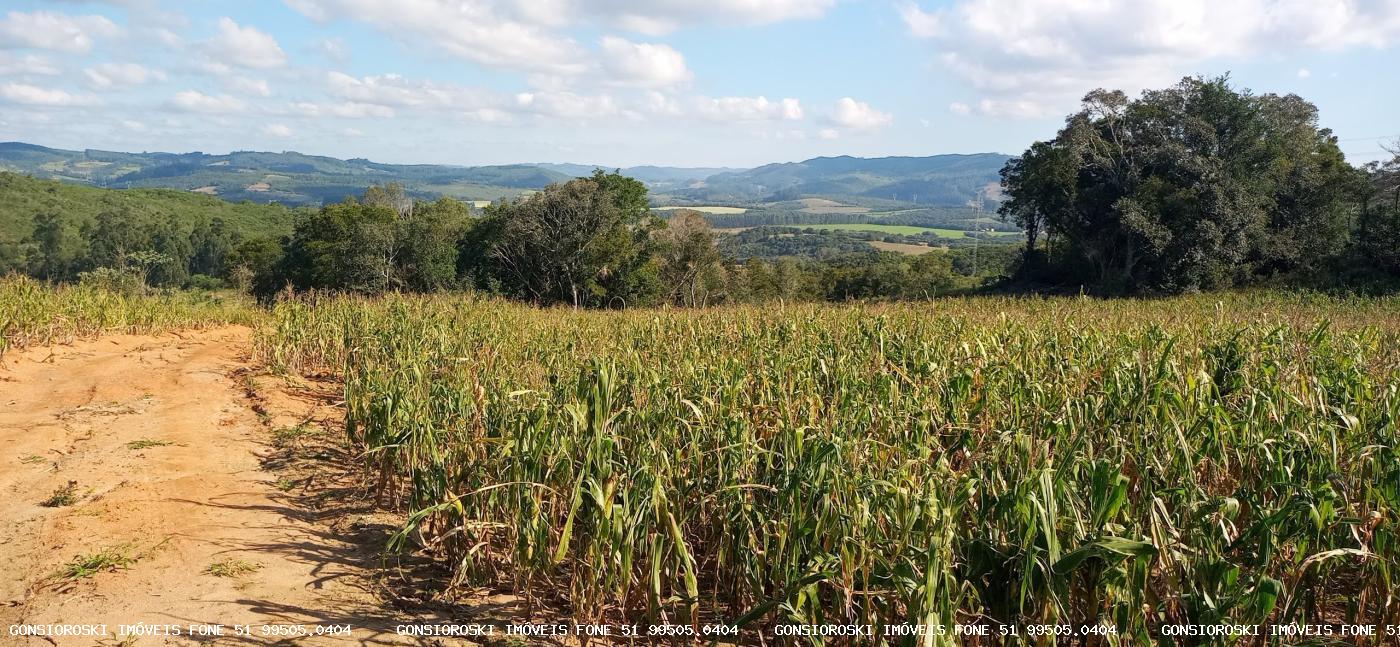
{"x": 1200, "y": 186}
{"x": 122, "y": 251}
{"x": 589, "y": 242}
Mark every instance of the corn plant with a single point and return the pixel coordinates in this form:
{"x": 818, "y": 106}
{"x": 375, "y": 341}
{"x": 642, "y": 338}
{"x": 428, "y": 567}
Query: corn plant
{"x": 1061, "y": 460}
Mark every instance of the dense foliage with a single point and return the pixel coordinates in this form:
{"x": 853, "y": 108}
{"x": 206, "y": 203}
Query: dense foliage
{"x": 33, "y": 313}
{"x": 57, "y": 231}
{"x": 1196, "y": 186}
{"x": 1062, "y": 461}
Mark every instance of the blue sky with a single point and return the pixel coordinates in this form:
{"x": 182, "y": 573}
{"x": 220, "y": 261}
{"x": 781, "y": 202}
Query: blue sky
{"x": 672, "y": 82}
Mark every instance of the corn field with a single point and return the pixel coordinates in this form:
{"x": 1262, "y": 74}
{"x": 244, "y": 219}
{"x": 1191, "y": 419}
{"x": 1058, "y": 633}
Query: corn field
{"x": 33, "y": 313}
{"x": 1193, "y": 460}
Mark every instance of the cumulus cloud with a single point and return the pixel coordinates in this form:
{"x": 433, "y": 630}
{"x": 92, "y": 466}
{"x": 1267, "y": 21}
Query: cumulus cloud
{"x": 120, "y": 75}
{"x": 395, "y": 90}
{"x": 922, "y": 24}
{"x": 829, "y": 133}
{"x": 858, "y": 115}
{"x": 488, "y": 116}
{"x": 759, "y": 108}
{"x": 334, "y": 49}
{"x": 658, "y": 103}
{"x": 661, "y": 16}
{"x": 346, "y": 110}
{"x": 55, "y": 31}
{"x": 567, "y": 105}
{"x": 1015, "y": 108}
{"x": 650, "y": 65}
{"x": 244, "y": 46}
{"x": 196, "y": 101}
{"x": 528, "y": 35}
{"x": 959, "y": 108}
{"x": 26, "y": 65}
{"x": 248, "y": 86}
{"x": 1037, "y": 57}
{"x": 277, "y": 130}
{"x": 34, "y": 95}
{"x": 489, "y": 33}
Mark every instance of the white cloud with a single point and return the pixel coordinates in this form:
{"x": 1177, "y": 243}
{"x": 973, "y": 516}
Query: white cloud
{"x": 1304, "y": 73}
{"x": 727, "y": 109}
{"x": 567, "y": 105}
{"x": 395, "y": 90}
{"x": 36, "y": 96}
{"x": 1038, "y": 57}
{"x": 169, "y": 39}
{"x": 244, "y": 46}
{"x": 651, "y": 65}
{"x": 56, "y": 31}
{"x": 277, "y": 130}
{"x": 135, "y": 126}
{"x": 116, "y": 75}
{"x": 858, "y": 115}
{"x": 488, "y": 116}
{"x": 1015, "y": 108}
{"x": 195, "y": 101}
{"x": 661, "y": 16}
{"x": 248, "y": 86}
{"x": 828, "y": 133}
{"x": 346, "y": 110}
{"x": 334, "y": 49}
{"x": 658, "y": 103}
{"x": 959, "y": 108}
{"x": 28, "y": 64}
{"x": 921, "y": 23}
{"x": 477, "y": 30}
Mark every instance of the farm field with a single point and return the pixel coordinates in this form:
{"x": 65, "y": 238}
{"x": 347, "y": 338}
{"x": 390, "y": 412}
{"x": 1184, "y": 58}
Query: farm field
{"x": 1200, "y": 459}
{"x": 902, "y": 248}
{"x": 903, "y": 230}
{"x": 710, "y": 210}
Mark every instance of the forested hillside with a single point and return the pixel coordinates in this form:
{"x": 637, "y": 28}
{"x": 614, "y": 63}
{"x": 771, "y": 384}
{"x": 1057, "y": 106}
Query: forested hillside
{"x": 288, "y": 177}
{"x": 940, "y": 180}
{"x": 297, "y": 179}
{"x": 23, "y": 197}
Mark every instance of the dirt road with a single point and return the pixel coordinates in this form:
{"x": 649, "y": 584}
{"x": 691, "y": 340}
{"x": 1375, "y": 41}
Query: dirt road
{"x": 135, "y": 490}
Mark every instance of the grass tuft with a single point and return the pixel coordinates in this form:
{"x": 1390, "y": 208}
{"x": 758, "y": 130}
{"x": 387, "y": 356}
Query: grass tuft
{"x": 109, "y": 559}
{"x": 145, "y": 443}
{"x": 62, "y": 497}
{"x": 231, "y": 568}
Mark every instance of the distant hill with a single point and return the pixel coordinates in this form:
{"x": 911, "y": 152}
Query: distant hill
{"x": 660, "y": 179}
{"x": 22, "y": 197}
{"x": 296, "y": 179}
{"x": 290, "y": 178}
{"x": 940, "y": 180}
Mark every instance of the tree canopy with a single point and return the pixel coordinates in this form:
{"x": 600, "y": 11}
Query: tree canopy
{"x": 1196, "y": 186}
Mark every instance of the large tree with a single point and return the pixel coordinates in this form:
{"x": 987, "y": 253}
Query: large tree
{"x": 686, "y": 248}
{"x": 585, "y": 242}
{"x": 1194, "y": 186}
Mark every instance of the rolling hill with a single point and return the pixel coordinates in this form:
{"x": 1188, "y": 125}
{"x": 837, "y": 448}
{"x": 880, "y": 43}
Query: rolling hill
{"x": 660, "y": 179}
{"x": 940, "y": 180}
{"x": 22, "y": 197}
{"x": 289, "y": 178}
{"x": 297, "y": 179}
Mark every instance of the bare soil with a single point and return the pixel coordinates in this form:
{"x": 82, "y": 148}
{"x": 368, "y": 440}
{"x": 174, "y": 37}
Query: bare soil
{"x": 197, "y": 491}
